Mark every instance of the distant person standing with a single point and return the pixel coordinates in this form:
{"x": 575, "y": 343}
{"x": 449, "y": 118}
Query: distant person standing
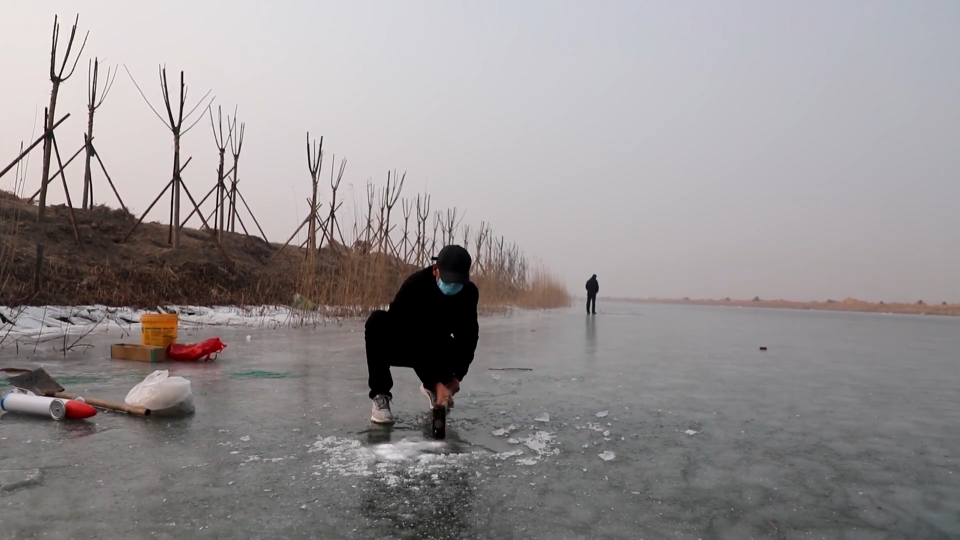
{"x": 592, "y": 289}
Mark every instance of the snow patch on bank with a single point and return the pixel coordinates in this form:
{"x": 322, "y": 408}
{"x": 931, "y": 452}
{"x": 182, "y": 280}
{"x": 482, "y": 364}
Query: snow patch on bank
{"x": 32, "y": 323}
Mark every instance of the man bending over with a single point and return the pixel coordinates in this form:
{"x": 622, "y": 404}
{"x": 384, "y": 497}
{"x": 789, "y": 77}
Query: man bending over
{"x": 431, "y": 326}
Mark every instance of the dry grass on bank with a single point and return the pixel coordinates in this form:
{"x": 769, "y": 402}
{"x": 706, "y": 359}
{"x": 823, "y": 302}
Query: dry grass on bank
{"x": 357, "y": 285}
{"x": 541, "y": 290}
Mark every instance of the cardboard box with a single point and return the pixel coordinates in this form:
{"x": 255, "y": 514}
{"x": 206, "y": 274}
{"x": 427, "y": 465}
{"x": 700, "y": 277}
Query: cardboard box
{"x": 138, "y": 353}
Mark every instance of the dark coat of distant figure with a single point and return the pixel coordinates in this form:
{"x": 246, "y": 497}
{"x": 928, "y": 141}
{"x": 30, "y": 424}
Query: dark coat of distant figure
{"x": 593, "y": 287}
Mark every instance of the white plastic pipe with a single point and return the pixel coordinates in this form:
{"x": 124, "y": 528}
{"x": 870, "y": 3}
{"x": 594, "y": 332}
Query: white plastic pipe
{"x": 29, "y": 403}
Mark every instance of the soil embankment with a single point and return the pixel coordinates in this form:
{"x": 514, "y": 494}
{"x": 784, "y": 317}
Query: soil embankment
{"x": 144, "y": 271}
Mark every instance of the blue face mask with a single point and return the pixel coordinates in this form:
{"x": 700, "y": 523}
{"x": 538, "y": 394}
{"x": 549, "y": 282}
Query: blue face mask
{"x": 449, "y": 289}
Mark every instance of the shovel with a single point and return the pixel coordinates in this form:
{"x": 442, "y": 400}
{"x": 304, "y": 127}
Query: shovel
{"x": 41, "y": 383}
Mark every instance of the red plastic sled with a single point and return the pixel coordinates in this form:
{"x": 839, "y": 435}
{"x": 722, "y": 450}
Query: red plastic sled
{"x": 196, "y": 351}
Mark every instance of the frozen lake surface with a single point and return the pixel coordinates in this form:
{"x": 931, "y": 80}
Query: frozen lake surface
{"x": 646, "y": 421}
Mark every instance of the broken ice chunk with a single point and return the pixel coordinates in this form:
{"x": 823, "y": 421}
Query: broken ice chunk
{"x": 691, "y": 432}
{"x": 607, "y": 456}
{"x": 602, "y": 414}
{"x": 543, "y": 418}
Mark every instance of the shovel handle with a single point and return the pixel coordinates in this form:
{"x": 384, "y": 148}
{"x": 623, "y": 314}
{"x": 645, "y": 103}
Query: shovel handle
{"x": 104, "y": 404}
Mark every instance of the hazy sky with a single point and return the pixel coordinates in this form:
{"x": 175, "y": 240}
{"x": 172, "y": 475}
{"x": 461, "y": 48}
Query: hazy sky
{"x": 804, "y": 150}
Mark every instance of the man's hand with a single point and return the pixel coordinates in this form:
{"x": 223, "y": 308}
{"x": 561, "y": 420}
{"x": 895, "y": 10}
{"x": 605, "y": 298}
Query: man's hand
{"x": 453, "y": 385}
{"x": 446, "y": 391}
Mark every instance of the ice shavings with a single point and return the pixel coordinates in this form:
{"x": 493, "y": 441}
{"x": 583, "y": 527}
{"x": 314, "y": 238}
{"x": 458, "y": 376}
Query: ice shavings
{"x": 540, "y": 442}
{"x": 504, "y": 431}
{"x": 506, "y": 455}
{"x": 345, "y": 457}
{"x": 405, "y": 461}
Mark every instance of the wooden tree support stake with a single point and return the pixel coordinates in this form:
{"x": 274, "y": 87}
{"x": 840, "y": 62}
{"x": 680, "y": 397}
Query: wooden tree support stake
{"x": 39, "y": 140}
{"x": 155, "y": 201}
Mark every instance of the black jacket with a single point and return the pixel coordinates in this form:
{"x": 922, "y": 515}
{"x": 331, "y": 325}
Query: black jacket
{"x": 425, "y": 318}
{"x": 592, "y": 286}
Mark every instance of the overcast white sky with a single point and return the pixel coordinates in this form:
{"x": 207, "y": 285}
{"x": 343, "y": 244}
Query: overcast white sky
{"x": 804, "y": 150}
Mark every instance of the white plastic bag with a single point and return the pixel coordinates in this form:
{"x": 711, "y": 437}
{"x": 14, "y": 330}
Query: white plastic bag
{"x": 162, "y": 394}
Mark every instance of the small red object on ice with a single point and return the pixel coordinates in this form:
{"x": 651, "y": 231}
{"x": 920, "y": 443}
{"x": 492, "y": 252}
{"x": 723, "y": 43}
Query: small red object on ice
{"x": 77, "y": 410}
{"x": 196, "y": 351}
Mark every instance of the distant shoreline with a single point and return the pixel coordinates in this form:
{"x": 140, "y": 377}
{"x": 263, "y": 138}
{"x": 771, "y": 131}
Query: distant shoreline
{"x": 848, "y": 305}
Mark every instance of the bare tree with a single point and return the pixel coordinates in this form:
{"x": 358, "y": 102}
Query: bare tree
{"x": 95, "y": 98}
{"x": 57, "y": 77}
{"x": 407, "y": 212}
{"x": 482, "y": 235}
{"x": 175, "y": 123}
{"x": 437, "y": 221}
{"x": 368, "y": 229}
{"x": 388, "y": 199}
{"x": 466, "y": 237}
{"x": 236, "y": 146}
{"x": 225, "y": 213}
{"x": 450, "y": 225}
{"x": 219, "y": 214}
{"x": 423, "y": 213}
{"x": 332, "y": 224}
{"x": 314, "y": 164}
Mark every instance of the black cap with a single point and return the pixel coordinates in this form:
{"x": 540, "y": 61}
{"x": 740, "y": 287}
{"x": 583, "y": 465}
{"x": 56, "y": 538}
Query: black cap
{"x": 454, "y": 262}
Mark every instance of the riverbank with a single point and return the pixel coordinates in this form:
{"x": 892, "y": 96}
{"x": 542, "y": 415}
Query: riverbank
{"x": 120, "y": 263}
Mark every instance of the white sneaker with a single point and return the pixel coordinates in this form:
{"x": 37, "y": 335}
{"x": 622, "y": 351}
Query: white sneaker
{"x": 432, "y": 397}
{"x": 381, "y": 410}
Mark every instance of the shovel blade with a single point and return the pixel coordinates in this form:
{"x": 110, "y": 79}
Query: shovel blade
{"x": 37, "y": 381}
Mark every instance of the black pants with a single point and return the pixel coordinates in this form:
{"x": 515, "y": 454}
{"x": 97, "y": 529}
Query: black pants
{"x": 388, "y": 347}
{"x": 592, "y": 301}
